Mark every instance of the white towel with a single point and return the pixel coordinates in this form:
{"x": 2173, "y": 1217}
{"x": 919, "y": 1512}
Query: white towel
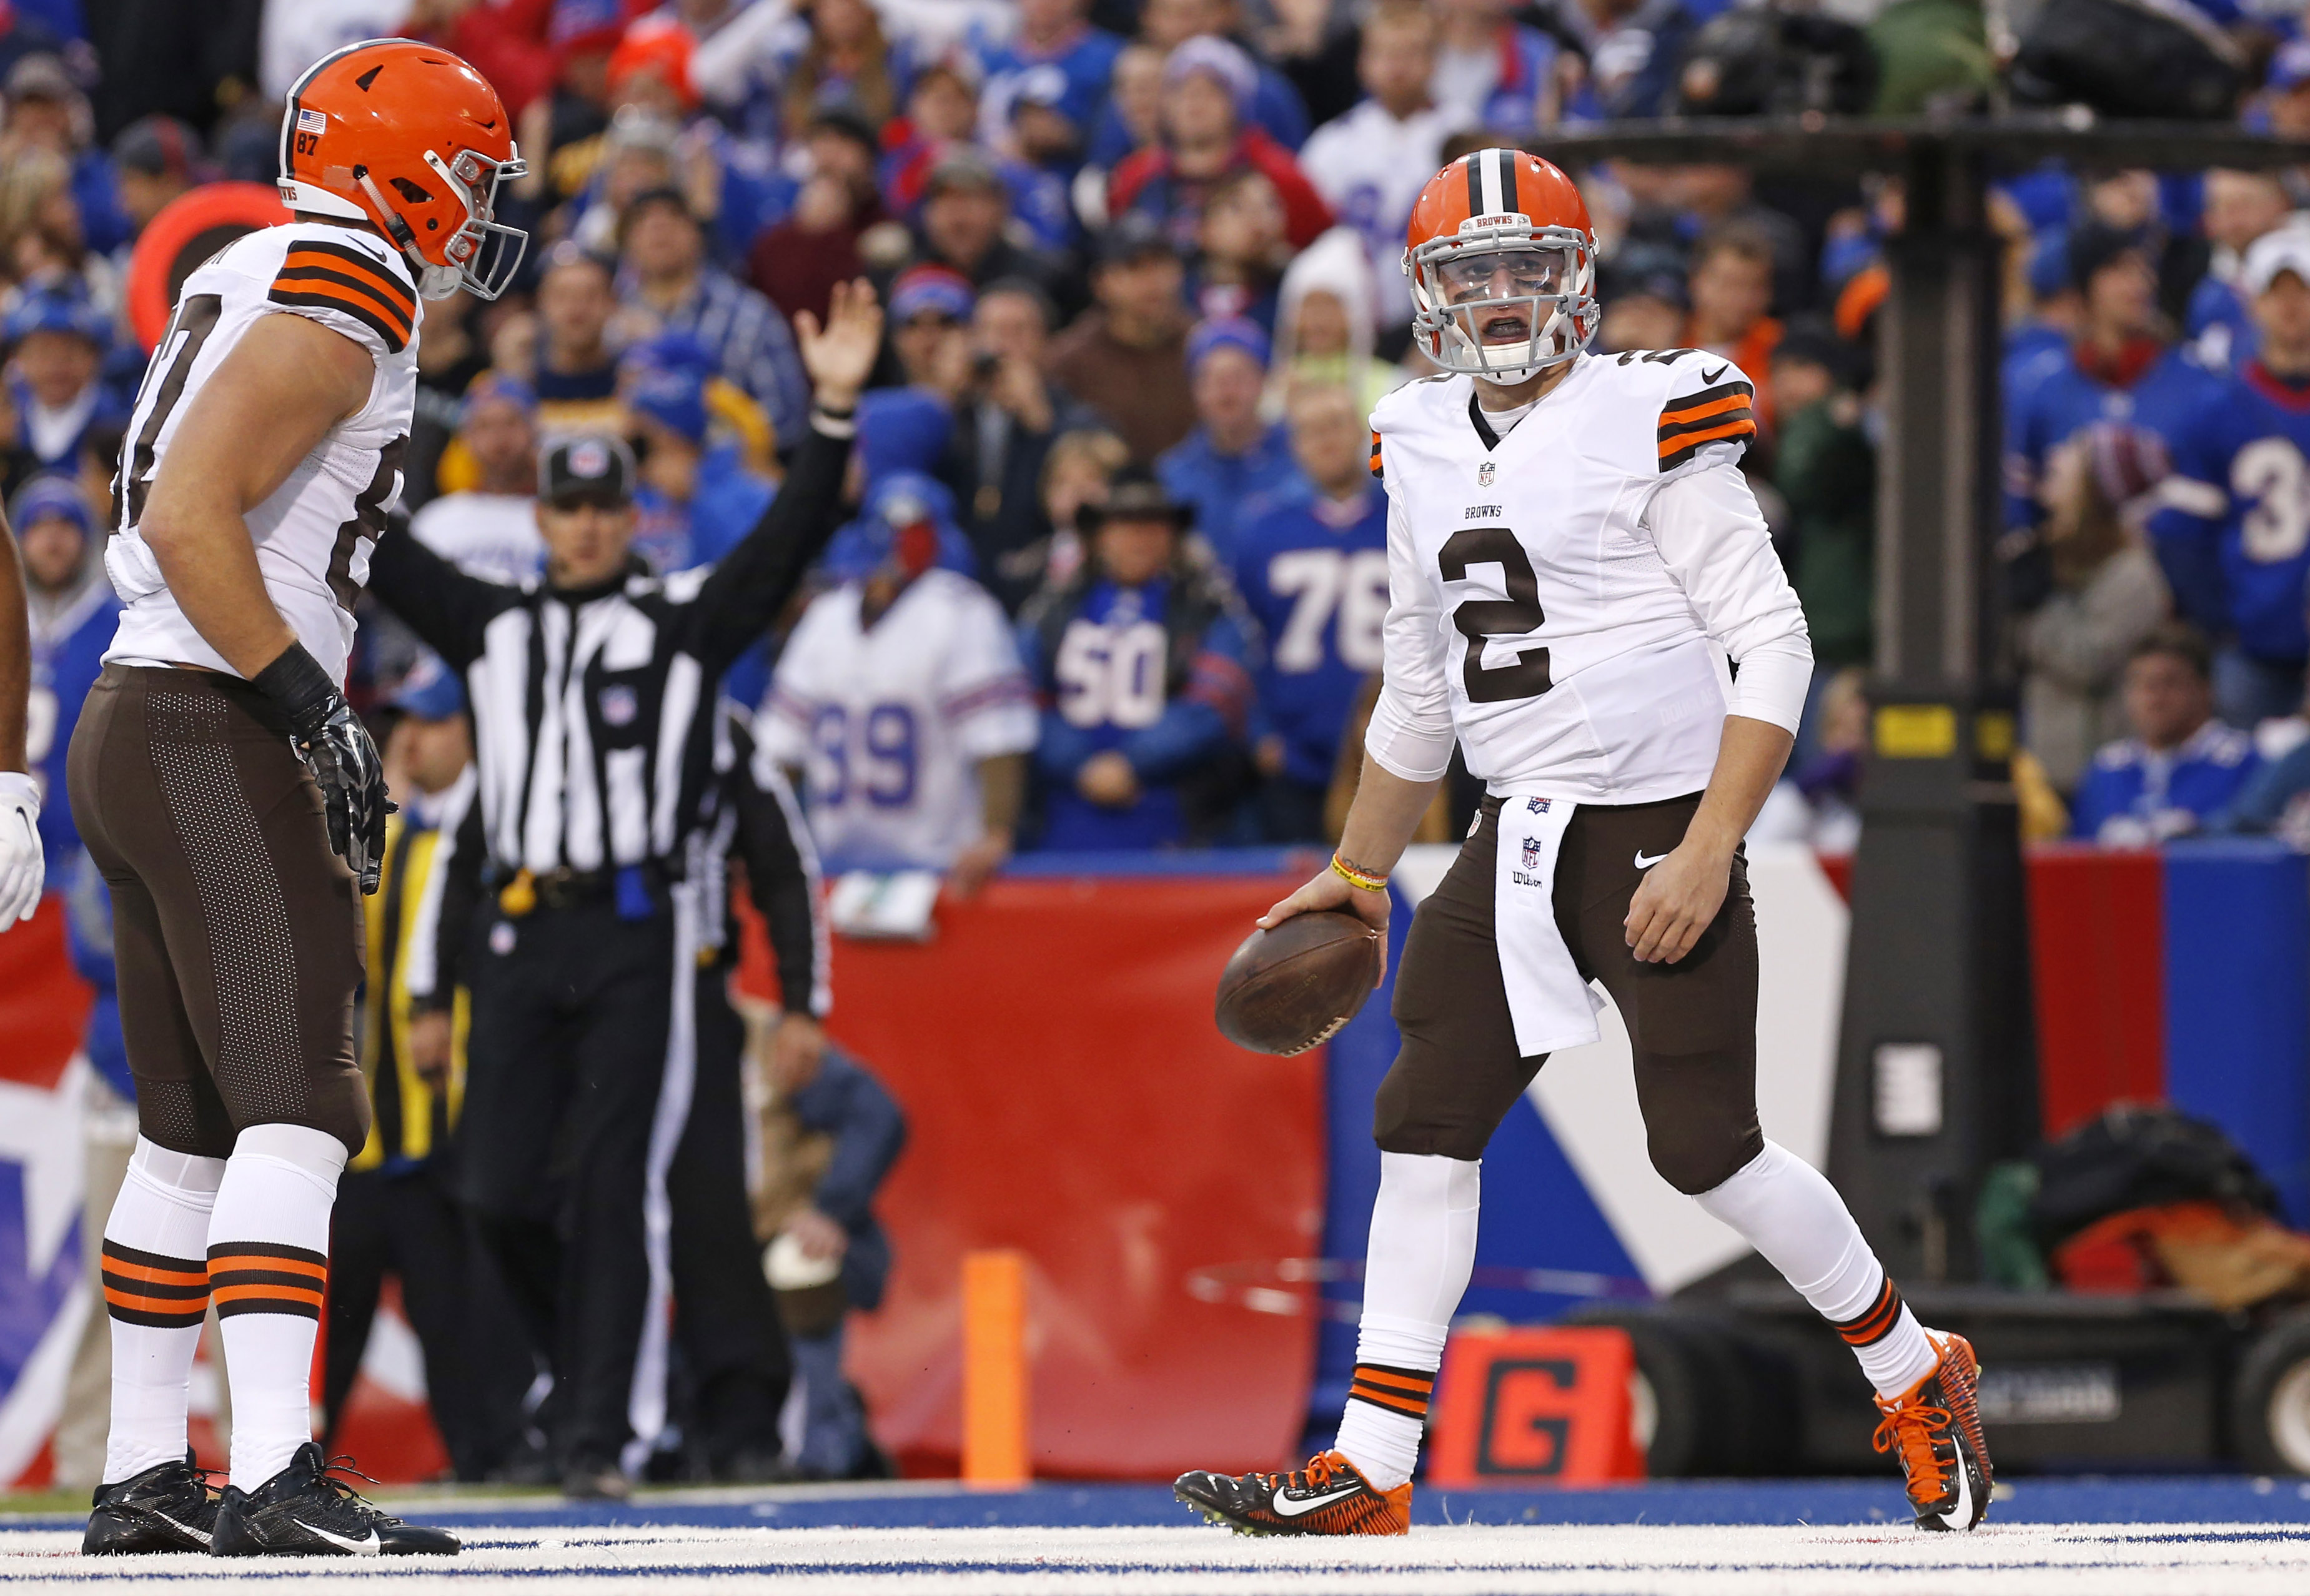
{"x": 1553, "y": 1007}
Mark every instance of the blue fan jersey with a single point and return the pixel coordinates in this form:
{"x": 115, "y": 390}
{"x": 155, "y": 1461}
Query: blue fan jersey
{"x": 2132, "y": 797}
{"x": 68, "y": 653}
{"x": 2233, "y": 533}
{"x": 1108, "y": 688}
{"x": 1314, "y": 574}
{"x": 2066, "y": 399}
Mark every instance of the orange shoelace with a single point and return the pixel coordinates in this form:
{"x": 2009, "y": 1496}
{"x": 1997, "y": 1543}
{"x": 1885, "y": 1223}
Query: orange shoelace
{"x": 1911, "y": 1425}
{"x": 1314, "y": 1477}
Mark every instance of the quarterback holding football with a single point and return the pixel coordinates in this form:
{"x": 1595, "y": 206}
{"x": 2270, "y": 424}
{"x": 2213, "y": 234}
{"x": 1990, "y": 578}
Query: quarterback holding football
{"x": 1568, "y": 534}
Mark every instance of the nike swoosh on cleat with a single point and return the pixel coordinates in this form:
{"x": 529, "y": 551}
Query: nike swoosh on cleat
{"x": 200, "y": 1535}
{"x": 1286, "y": 1507}
{"x": 1646, "y": 863}
{"x": 370, "y": 1547}
{"x": 1712, "y": 375}
{"x": 1961, "y": 1516}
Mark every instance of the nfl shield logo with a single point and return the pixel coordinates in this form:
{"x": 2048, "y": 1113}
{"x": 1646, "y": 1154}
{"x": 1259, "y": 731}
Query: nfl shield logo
{"x": 1537, "y": 806}
{"x": 1531, "y": 853}
{"x": 1484, "y": 474}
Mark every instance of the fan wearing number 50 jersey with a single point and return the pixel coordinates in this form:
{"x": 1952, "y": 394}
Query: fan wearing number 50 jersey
{"x": 1572, "y": 553}
{"x": 901, "y": 698}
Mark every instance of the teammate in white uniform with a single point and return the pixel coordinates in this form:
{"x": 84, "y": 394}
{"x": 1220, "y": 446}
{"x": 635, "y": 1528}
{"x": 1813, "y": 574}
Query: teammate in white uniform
{"x": 232, "y": 800}
{"x": 1570, "y": 541}
{"x": 902, "y": 696}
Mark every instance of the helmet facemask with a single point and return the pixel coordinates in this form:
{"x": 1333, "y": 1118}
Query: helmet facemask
{"x": 483, "y": 255}
{"x": 1503, "y": 300}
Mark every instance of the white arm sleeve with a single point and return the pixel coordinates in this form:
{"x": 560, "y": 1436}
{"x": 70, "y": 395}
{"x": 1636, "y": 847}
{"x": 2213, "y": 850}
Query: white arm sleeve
{"x": 1411, "y": 732}
{"x": 1711, "y": 533}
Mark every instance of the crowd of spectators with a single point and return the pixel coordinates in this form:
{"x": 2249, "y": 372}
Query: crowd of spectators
{"x": 1140, "y": 264}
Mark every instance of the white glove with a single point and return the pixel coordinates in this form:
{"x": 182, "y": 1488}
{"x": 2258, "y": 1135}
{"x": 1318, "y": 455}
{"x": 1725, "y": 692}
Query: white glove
{"x": 22, "y": 869}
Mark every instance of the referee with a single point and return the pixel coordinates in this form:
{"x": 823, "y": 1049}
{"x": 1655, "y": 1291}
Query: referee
{"x": 593, "y": 699}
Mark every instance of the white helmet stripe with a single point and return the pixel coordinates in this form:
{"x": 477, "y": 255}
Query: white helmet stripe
{"x": 1488, "y": 163}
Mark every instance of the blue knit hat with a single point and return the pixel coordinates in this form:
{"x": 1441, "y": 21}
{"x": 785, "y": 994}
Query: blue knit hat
{"x": 1228, "y": 332}
{"x": 51, "y": 494}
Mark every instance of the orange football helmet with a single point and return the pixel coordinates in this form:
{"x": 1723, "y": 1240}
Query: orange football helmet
{"x": 412, "y": 139}
{"x": 1502, "y": 260}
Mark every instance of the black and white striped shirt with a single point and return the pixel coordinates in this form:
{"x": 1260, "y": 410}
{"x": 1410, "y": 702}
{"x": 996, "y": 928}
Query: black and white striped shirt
{"x": 593, "y": 709}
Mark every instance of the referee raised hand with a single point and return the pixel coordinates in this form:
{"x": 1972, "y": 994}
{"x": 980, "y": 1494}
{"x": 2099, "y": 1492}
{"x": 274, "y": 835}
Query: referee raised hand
{"x": 592, "y": 697}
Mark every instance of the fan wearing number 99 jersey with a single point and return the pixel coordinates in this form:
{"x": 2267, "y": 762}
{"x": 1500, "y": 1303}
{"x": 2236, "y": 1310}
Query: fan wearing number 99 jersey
{"x": 891, "y": 718}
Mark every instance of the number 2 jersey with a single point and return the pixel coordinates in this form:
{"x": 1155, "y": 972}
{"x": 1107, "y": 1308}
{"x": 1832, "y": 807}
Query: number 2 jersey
{"x": 2233, "y": 533}
{"x": 313, "y": 535}
{"x": 891, "y": 721}
{"x": 1553, "y": 593}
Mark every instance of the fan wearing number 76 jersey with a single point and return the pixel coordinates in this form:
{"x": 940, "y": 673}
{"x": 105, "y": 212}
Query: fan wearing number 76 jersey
{"x": 1312, "y": 572}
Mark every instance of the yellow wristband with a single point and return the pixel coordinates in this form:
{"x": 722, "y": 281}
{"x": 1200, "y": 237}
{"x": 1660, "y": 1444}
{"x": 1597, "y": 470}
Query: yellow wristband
{"x": 1356, "y": 878}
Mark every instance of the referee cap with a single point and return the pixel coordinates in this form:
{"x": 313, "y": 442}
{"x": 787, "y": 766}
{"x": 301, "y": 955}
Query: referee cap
{"x": 589, "y": 468}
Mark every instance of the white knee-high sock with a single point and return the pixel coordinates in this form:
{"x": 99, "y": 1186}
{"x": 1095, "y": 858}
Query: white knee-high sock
{"x": 156, "y": 1288}
{"x": 1423, "y": 1245}
{"x": 269, "y": 1266}
{"x": 1788, "y": 1211}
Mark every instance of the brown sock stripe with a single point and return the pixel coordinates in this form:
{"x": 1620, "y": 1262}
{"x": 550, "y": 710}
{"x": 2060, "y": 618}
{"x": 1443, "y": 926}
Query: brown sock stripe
{"x": 153, "y": 1289}
{"x": 1877, "y": 1323}
{"x": 267, "y": 1277}
{"x": 1400, "y": 1391}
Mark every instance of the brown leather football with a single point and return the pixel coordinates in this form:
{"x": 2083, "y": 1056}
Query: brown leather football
{"x": 1286, "y": 989}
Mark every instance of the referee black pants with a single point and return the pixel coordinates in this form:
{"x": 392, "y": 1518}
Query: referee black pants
{"x": 407, "y": 1223}
{"x": 571, "y": 1009}
{"x": 725, "y": 1321}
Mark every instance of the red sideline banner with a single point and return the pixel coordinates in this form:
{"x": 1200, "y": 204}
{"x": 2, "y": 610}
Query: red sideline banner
{"x": 1535, "y": 1406}
{"x": 1067, "y": 1096}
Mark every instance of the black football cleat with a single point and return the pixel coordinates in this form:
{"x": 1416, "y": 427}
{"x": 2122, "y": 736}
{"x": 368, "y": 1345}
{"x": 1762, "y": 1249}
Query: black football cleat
{"x": 1936, "y": 1429}
{"x": 1329, "y": 1496}
{"x": 305, "y": 1511}
{"x": 167, "y": 1508}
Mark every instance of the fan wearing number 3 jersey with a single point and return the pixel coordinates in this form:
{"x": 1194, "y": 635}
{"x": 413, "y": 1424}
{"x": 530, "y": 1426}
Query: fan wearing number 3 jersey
{"x": 1572, "y": 554}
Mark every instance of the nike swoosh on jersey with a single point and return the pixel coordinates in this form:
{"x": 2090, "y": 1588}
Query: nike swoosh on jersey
{"x": 1646, "y": 863}
{"x": 368, "y": 1548}
{"x": 1286, "y": 1507}
{"x": 1712, "y": 375}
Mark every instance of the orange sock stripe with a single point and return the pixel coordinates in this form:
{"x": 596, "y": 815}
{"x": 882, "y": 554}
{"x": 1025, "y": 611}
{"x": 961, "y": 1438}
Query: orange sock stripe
{"x": 1876, "y": 1323}
{"x": 1417, "y": 1384}
{"x": 231, "y": 1300}
{"x": 1416, "y": 1407}
{"x": 267, "y": 1256}
{"x": 1399, "y": 1391}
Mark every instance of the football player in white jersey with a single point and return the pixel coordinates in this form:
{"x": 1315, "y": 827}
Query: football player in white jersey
{"x": 24, "y": 867}
{"x": 1568, "y": 533}
{"x": 233, "y": 801}
{"x": 902, "y": 695}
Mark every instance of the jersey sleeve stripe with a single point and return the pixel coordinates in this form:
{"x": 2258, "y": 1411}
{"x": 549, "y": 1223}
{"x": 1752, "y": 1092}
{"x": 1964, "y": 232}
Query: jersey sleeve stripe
{"x": 1691, "y": 406}
{"x": 324, "y": 295}
{"x": 1375, "y": 470}
{"x": 1687, "y": 414}
{"x": 303, "y": 275}
{"x": 1676, "y": 452}
{"x": 337, "y": 258}
{"x": 1671, "y": 437}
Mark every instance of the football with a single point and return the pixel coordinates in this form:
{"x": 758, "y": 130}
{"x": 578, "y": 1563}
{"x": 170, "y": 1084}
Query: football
{"x": 1286, "y": 989}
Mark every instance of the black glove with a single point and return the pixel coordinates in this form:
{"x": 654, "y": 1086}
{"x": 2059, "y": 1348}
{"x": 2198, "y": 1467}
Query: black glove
{"x": 337, "y": 751}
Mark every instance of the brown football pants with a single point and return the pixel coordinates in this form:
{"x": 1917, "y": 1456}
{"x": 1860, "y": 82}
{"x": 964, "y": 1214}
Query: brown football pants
{"x": 1692, "y": 1024}
{"x": 237, "y": 934}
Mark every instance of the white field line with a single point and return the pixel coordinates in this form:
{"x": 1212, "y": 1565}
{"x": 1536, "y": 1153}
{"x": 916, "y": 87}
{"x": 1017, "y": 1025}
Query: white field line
{"x": 1619, "y": 1560}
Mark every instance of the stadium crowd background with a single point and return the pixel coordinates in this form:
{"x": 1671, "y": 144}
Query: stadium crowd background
{"x": 1141, "y": 266}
